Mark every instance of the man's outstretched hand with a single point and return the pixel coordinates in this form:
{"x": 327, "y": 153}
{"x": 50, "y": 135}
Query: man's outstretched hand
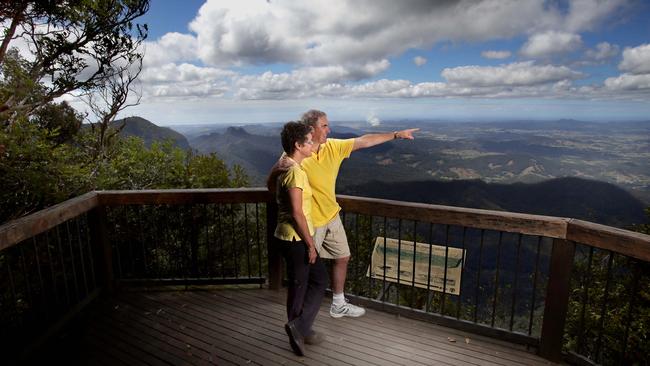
{"x": 406, "y": 134}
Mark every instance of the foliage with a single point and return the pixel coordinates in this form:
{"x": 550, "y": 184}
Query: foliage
{"x": 36, "y": 171}
{"x": 60, "y": 119}
{"x": 75, "y": 45}
{"x": 609, "y": 308}
{"x": 131, "y": 165}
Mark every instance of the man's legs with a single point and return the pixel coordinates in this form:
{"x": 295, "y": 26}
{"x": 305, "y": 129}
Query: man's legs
{"x": 339, "y": 272}
{"x": 332, "y": 243}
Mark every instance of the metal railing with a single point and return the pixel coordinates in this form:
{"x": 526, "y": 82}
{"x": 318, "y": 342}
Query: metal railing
{"x": 523, "y": 278}
{"x": 572, "y": 290}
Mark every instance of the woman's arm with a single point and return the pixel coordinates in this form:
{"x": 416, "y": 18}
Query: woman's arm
{"x": 295, "y": 196}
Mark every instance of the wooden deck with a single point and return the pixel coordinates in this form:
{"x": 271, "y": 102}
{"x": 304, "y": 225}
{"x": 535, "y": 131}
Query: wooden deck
{"x": 245, "y": 327}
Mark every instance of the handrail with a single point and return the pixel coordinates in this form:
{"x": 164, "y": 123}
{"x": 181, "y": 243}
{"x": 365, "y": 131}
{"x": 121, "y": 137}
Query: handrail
{"x": 15, "y": 231}
{"x": 554, "y": 227}
{"x": 633, "y": 244}
{"x": 184, "y": 196}
{"x": 629, "y": 243}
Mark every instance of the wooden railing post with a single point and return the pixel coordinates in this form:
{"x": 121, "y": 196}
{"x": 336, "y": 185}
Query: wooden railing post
{"x": 101, "y": 248}
{"x": 557, "y": 300}
{"x": 273, "y": 255}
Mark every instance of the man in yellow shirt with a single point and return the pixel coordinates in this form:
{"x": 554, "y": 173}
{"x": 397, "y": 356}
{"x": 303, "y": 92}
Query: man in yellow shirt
{"x": 322, "y": 169}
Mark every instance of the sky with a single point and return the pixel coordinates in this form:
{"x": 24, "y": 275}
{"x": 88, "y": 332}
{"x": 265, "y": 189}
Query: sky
{"x": 255, "y": 61}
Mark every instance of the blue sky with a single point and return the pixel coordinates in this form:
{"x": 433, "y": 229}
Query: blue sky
{"x": 252, "y": 61}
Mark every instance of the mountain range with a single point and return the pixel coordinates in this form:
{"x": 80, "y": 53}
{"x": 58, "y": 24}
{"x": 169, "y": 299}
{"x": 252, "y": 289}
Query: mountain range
{"x": 560, "y": 168}
{"x": 149, "y": 132}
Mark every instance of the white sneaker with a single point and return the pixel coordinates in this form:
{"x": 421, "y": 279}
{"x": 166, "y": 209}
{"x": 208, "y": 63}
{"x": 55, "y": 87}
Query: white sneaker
{"x": 346, "y": 309}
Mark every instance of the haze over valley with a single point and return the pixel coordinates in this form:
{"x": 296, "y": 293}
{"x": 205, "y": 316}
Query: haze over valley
{"x": 470, "y": 164}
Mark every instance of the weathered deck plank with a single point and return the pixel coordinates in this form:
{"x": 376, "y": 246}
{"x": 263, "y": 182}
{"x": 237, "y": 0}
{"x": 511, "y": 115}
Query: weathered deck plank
{"x": 245, "y": 327}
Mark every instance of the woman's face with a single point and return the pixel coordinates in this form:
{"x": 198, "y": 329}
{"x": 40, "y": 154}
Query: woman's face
{"x": 306, "y": 147}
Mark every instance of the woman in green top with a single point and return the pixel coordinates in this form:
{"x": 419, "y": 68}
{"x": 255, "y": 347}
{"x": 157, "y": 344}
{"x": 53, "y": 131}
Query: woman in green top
{"x": 305, "y": 270}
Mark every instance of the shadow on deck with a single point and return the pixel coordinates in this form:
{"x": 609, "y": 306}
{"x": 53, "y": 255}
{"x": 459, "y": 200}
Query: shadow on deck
{"x": 245, "y": 327}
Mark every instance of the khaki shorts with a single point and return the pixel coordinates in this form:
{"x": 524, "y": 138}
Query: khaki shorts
{"x": 330, "y": 240}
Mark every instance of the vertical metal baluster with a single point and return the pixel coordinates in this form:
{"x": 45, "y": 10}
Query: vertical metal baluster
{"x": 175, "y": 253}
{"x": 74, "y": 267}
{"x": 632, "y": 302}
{"x": 51, "y": 263}
{"x": 343, "y": 216}
{"x": 65, "y": 276}
{"x": 496, "y": 280}
{"x": 145, "y": 265}
{"x": 478, "y": 276}
{"x": 28, "y": 287}
{"x": 179, "y": 241}
{"x": 370, "y": 261}
{"x": 90, "y": 251}
{"x": 44, "y": 302}
{"x": 213, "y": 242}
{"x": 221, "y": 243}
{"x": 116, "y": 245}
{"x": 156, "y": 240}
{"x": 165, "y": 247}
{"x": 259, "y": 247}
{"x": 532, "y": 302}
{"x": 444, "y": 278}
{"x": 206, "y": 241}
{"x": 12, "y": 285}
{"x": 248, "y": 253}
{"x": 234, "y": 243}
{"x": 383, "y": 285}
{"x": 603, "y": 311}
{"x": 171, "y": 243}
{"x": 429, "y": 297}
{"x": 415, "y": 225}
{"x": 129, "y": 237}
{"x": 399, "y": 257}
{"x": 514, "y": 289}
{"x": 356, "y": 251}
{"x": 585, "y": 300}
{"x": 81, "y": 256}
{"x": 462, "y": 271}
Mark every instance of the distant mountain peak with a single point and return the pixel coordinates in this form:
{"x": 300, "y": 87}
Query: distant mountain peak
{"x": 149, "y": 131}
{"x": 237, "y": 131}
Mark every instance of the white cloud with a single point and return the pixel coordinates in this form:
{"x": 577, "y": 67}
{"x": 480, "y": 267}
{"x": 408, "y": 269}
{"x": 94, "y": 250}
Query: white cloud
{"x": 320, "y": 32}
{"x": 550, "y": 43}
{"x": 496, "y": 54}
{"x": 332, "y": 46}
{"x": 603, "y": 51}
{"x": 172, "y": 47}
{"x": 584, "y": 15}
{"x": 307, "y": 81}
{"x": 636, "y": 60}
{"x": 629, "y": 82}
{"x": 184, "y": 80}
{"x": 181, "y": 73}
{"x": 515, "y": 74}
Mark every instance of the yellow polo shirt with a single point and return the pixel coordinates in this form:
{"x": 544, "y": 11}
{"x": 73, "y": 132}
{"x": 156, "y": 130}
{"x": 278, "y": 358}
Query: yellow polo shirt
{"x": 322, "y": 168}
{"x": 295, "y": 177}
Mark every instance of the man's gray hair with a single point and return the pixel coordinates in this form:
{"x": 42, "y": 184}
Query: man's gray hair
{"x": 311, "y": 117}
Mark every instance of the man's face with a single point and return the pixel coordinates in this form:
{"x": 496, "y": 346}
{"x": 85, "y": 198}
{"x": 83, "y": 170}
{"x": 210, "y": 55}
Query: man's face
{"x": 321, "y": 130}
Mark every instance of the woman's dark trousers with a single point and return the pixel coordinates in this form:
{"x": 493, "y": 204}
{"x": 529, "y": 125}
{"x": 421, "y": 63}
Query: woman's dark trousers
{"x": 307, "y": 283}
